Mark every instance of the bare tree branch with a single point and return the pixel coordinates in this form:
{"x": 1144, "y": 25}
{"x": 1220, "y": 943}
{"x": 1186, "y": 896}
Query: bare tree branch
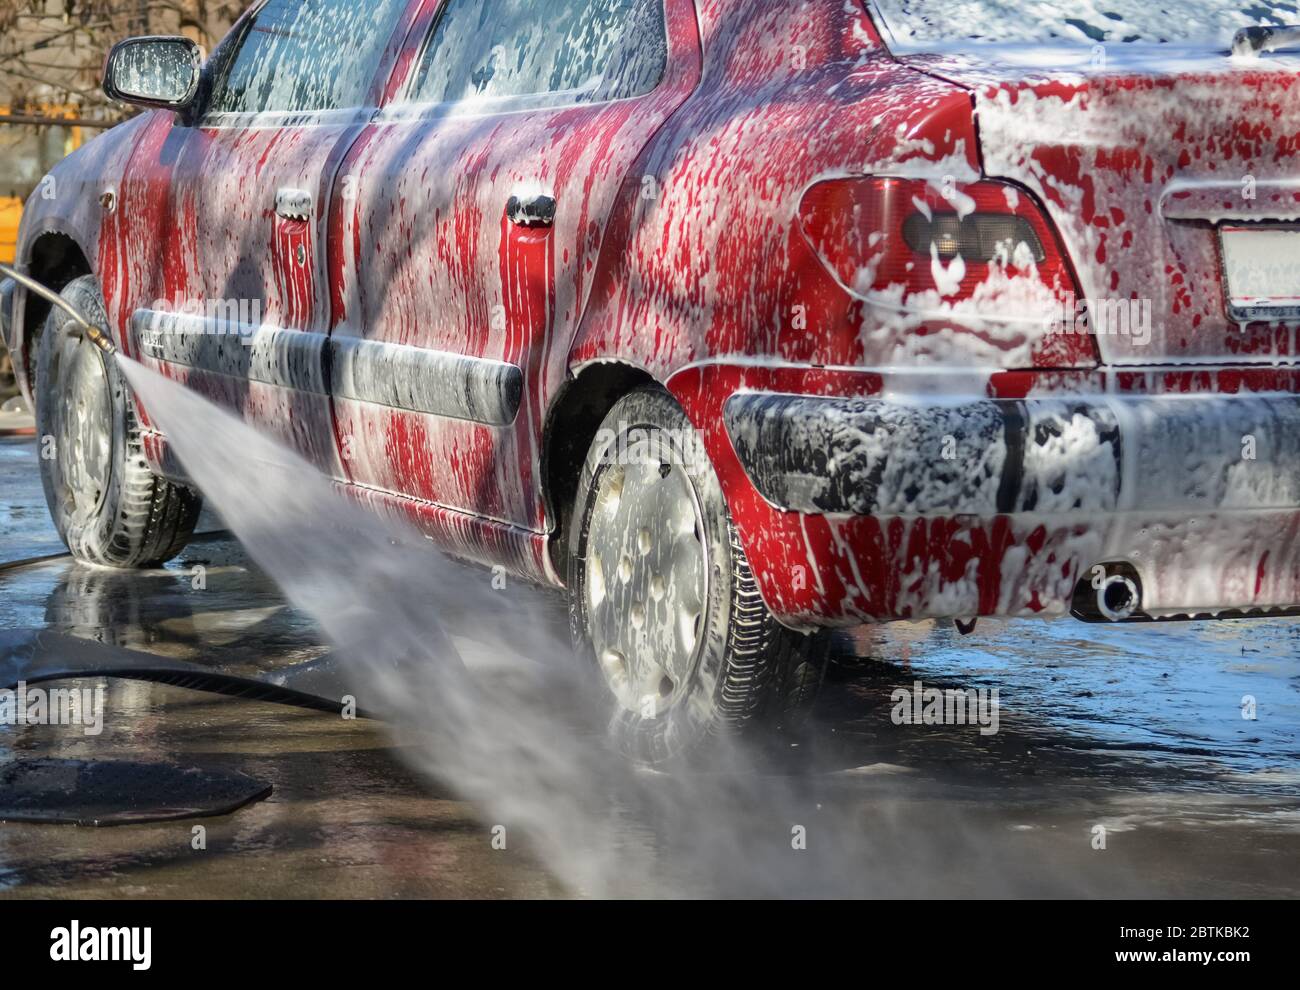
{"x": 71, "y": 38}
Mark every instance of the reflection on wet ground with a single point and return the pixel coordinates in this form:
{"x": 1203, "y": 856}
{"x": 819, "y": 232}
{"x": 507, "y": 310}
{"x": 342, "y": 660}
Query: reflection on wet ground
{"x": 1136, "y": 729}
{"x": 25, "y": 529}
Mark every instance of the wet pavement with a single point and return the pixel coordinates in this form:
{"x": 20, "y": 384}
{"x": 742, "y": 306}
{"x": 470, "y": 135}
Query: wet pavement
{"x": 1133, "y": 735}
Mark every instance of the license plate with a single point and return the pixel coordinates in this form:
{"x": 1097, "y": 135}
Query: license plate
{"x": 1261, "y": 266}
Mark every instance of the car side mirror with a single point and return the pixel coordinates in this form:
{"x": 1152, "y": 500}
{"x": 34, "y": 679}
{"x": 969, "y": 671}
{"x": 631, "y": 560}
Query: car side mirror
{"x": 153, "y": 72}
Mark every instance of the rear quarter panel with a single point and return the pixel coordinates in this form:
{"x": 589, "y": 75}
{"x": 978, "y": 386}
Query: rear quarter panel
{"x": 706, "y": 282}
{"x": 703, "y": 259}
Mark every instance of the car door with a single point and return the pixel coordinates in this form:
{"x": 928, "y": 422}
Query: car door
{"x": 239, "y": 305}
{"x": 477, "y": 202}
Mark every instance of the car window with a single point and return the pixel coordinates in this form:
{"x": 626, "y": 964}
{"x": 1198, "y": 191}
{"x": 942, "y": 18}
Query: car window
{"x": 605, "y": 49}
{"x": 305, "y": 55}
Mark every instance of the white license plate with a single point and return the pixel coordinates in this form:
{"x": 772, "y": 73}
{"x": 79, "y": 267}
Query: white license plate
{"x": 1261, "y": 266}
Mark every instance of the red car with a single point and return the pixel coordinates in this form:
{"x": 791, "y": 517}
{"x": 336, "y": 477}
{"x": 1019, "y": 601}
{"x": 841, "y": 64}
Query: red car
{"x": 739, "y": 319}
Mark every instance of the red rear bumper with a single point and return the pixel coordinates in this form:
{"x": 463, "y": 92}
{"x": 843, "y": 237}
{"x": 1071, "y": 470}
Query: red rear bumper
{"x": 856, "y": 505}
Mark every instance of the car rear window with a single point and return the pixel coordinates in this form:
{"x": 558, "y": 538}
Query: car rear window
{"x": 941, "y": 23}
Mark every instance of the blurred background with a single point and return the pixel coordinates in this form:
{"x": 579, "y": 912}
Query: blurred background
{"x": 51, "y": 55}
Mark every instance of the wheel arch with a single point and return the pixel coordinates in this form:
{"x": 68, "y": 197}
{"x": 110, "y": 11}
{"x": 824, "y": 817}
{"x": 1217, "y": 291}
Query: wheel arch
{"x": 574, "y": 416}
{"x": 54, "y": 260}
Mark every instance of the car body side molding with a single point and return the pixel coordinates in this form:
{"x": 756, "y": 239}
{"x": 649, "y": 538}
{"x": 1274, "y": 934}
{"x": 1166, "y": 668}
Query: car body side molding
{"x": 439, "y": 383}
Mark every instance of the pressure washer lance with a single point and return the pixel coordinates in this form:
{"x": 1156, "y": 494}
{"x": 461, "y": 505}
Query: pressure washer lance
{"x": 94, "y": 333}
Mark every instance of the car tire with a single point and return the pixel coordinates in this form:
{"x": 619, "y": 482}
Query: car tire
{"x": 109, "y": 508}
{"x": 662, "y": 598}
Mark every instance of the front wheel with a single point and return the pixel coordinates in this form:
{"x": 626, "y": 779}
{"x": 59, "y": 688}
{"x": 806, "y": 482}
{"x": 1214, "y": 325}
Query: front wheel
{"x": 107, "y": 505}
{"x": 662, "y": 595}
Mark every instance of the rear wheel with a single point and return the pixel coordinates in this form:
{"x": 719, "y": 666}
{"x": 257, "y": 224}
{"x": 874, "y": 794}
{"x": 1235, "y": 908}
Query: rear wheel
{"x": 663, "y": 597}
{"x": 107, "y": 506}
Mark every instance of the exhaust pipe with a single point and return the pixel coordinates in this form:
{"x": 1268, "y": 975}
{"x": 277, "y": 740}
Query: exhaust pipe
{"x": 88, "y": 329}
{"x": 1118, "y": 598}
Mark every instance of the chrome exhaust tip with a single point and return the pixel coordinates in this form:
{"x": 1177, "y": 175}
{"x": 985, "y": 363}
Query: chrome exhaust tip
{"x": 1118, "y": 598}
{"x": 1108, "y": 592}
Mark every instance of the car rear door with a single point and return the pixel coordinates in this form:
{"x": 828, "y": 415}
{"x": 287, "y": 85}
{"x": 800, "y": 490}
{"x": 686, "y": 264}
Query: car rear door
{"x": 238, "y": 305}
{"x": 460, "y": 292}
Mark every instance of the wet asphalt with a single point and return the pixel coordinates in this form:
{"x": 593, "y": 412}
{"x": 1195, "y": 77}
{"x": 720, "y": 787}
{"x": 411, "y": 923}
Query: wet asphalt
{"x": 1122, "y": 765}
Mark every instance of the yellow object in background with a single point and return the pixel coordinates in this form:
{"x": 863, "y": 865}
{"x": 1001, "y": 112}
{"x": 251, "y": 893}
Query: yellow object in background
{"x": 11, "y": 211}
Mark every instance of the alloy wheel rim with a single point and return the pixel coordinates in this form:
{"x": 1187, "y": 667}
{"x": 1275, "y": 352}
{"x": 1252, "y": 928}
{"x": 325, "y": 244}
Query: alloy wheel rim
{"x": 85, "y": 443}
{"x": 646, "y": 579}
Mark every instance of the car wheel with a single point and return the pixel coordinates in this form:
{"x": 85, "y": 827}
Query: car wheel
{"x": 662, "y": 596}
{"x": 107, "y": 506}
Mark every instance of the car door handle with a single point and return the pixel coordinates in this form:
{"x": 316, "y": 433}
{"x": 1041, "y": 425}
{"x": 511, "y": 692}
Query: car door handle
{"x": 531, "y": 210}
{"x": 293, "y": 204}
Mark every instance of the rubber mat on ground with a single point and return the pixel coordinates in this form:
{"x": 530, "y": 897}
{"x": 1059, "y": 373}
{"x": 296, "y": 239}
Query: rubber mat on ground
{"x": 117, "y": 792}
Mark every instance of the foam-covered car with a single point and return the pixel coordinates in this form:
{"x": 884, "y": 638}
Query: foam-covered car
{"x": 739, "y": 319}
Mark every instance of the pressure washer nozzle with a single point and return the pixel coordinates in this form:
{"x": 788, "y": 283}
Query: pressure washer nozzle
{"x": 100, "y": 339}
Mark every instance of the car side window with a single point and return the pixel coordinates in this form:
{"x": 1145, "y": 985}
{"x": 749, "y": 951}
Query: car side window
{"x": 304, "y": 55}
{"x": 598, "y": 49}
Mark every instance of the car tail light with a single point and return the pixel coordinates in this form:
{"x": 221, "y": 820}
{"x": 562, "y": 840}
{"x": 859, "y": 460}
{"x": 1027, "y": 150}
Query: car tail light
{"x": 947, "y": 255}
{"x": 979, "y": 237}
